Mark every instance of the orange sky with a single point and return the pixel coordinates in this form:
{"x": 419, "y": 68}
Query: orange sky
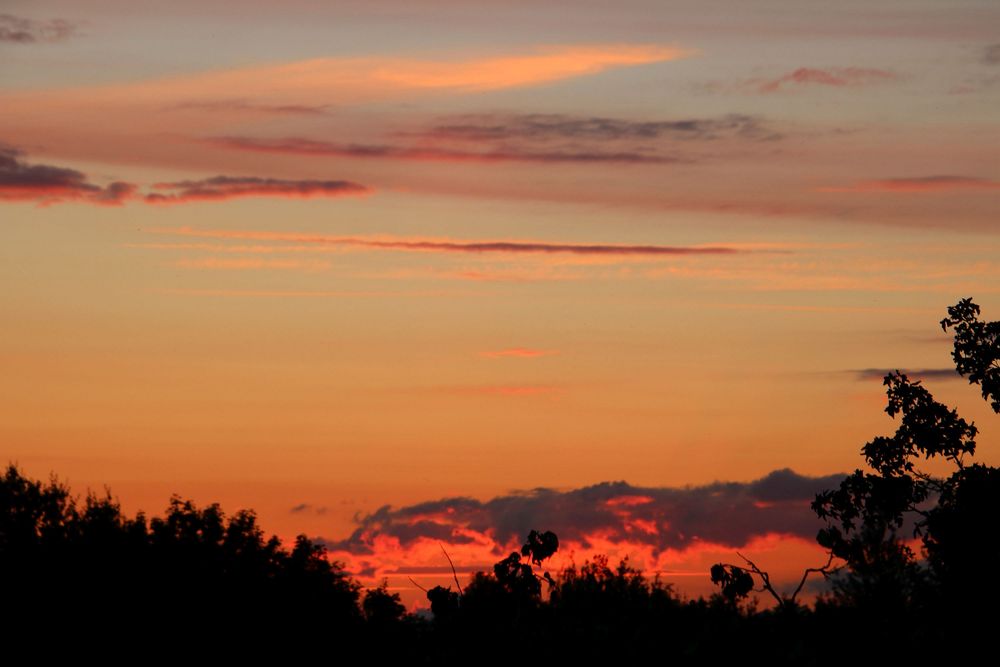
{"x": 319, "y": 259}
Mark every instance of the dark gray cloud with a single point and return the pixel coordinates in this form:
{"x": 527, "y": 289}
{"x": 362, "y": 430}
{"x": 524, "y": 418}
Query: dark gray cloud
{"x": 535, "y": 248}
{"x": 991, "y": 54}
{"x": 230, "y": 187}
{"x": 723, "y": 513}
{"x": 866, "y": 374}
{"x": 533, "y": 138}
{"x": 307, "y": 508}
{"x": 502, "y": 127}
{"x": 47, "y": 184}
{"x": 18, "y": 30}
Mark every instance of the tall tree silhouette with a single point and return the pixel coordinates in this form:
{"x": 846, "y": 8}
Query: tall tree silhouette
{"x": 870, "y": 516}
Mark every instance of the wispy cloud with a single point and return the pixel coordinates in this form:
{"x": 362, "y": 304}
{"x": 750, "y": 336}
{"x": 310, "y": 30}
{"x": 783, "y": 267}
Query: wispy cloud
{"x": 241, "y": 106}
{"x": 832, "y": 76}
{"x": 19, "y": 30}
{"x": 251, "y": 263}
{"x": 991, "y": 54}
{"x": 308, "y": 508}
{"x": 450, "y": 246}
{"x": 46, "y": 184}
{"x": 518, "y": 353}
{"x": 230, "y": 187}
{"x": 503, "y": 390}
{"x": 868, "y": 374}
{"x": 540, "y": 138}
{"x": 919, "y": 184}
{"x": 501, "y": 127}
{"x": 311, "y": 147}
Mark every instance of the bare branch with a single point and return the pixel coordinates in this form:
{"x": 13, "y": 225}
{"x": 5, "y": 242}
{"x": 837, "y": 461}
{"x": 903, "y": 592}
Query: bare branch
{"x": 417, "y": 585}
{"x": 765, "y": 579}
{"x": 453, "y": 572}
{"x": 824, "y": 570}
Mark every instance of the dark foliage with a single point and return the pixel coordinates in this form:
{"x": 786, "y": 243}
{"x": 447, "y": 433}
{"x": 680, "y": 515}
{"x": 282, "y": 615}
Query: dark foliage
{"x": 977, "y": 348}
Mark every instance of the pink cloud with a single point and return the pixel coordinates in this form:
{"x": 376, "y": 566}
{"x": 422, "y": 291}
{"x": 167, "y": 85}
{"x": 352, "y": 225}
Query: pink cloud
{"x": 453, "y": 246}
{"x": 833, "y": 76}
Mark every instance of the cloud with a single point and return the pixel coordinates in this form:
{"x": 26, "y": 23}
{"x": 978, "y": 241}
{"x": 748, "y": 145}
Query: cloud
{"x": 307, "y": 508}
{"x": 868, "y": 374}
{"x": 311, "y": 147}
{"x": 654, "y": 519}
{"x": 518, "y": 352}
{"x": 539, "y": 138}
{"x": 46, "y": 184}
{"x": 473, "y": 247}
{"x": 991, "y": 54}
{"x": 919, "y": 184}
{"x": 28, "y": 31}
{"x": 503, "y": 390}
{"x": 833, "y": 76}
{"x": 224, "y": 106}
{"x": 500, "y": 127}
{"x": 229, "y": 187}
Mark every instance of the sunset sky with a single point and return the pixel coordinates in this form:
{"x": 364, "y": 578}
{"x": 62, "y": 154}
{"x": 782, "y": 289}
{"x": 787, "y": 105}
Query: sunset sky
{"x": 404, "y": 274}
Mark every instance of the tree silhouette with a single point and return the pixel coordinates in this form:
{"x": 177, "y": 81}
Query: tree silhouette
{"x": 870, "y": 514}
{"x": 977, "y": 348}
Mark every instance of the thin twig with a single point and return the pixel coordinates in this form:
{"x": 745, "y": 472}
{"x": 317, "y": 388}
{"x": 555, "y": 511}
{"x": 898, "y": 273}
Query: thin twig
{"x": 765, "y": 579}
{"x": 453, "y": 572}
{"x": 824, "y": 570}
{"x": 417, "y": 585}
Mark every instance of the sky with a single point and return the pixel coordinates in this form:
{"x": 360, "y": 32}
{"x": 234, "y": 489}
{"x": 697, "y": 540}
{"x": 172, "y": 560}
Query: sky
{"x": 407, "y": 275}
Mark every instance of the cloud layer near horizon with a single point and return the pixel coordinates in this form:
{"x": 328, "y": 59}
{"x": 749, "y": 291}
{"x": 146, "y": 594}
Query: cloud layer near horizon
{"x": 654, "y": 521}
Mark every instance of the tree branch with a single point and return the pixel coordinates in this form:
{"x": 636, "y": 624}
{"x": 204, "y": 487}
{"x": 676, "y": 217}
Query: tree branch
{"x": 453, "y": 572}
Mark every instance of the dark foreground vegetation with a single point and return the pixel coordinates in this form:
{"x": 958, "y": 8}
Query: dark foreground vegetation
{"x": 77, "y": 576}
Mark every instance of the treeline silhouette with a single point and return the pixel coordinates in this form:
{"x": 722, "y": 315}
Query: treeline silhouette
{"x": 78, "y": 575}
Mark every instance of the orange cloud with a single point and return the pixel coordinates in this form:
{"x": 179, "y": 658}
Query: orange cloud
{"x": 504, "y": 390}
{"x": 317, "y": 82}
{"x": 919, "y": 185}
{"x": 518, "y": 352}
{"x": 250, "y": 264}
